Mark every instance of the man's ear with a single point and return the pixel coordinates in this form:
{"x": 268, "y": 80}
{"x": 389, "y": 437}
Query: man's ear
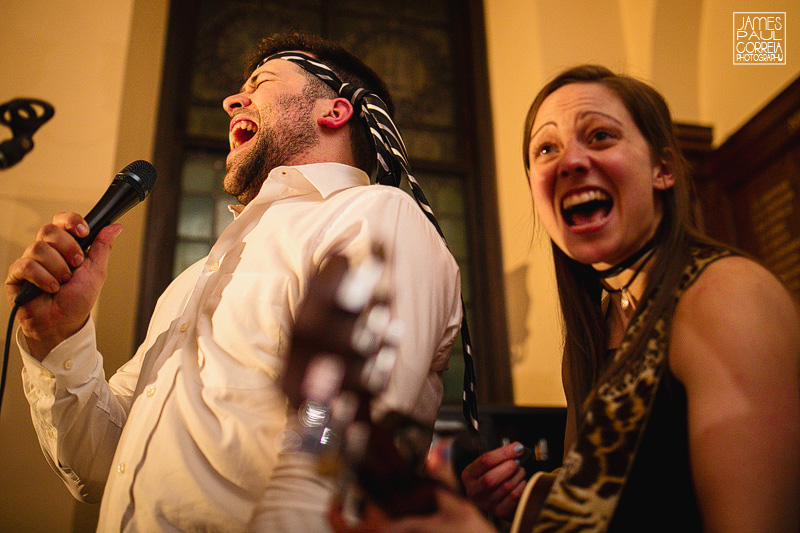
{"x": 664, "y": 174}
{"x": 335, "y": 113}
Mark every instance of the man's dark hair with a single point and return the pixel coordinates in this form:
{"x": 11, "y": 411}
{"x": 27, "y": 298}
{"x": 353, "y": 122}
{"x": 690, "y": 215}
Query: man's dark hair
{"x": 347, "y": 67}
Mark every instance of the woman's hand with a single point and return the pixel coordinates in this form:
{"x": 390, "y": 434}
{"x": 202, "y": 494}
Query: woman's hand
{"x": 495, "y": 480}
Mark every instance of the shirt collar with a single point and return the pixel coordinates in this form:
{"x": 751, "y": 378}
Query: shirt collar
{"x": 325, "y": 178}
{"x": 328, "y": 178}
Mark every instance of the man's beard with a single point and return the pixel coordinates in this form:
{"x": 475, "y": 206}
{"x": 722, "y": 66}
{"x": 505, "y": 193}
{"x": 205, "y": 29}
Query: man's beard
{"x": 276, "y": 145}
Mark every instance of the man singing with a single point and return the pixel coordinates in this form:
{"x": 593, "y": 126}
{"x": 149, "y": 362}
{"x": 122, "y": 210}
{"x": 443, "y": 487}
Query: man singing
{"x": 185, "y": 436}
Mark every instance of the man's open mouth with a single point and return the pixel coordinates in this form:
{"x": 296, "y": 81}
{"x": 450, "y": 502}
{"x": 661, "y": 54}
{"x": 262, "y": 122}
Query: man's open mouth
{"x": 585, "y": 207}
{"x": 241, "y": 132}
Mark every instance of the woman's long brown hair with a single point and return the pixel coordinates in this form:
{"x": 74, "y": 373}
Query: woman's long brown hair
{"x": 579, "y": 290}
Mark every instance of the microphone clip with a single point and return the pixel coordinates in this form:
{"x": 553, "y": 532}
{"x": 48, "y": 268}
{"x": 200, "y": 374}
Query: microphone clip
{"x": 24, "y": 116}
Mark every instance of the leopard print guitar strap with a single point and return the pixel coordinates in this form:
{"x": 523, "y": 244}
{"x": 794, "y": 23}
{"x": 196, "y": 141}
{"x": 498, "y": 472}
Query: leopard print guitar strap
{"x": 588, "y": 487}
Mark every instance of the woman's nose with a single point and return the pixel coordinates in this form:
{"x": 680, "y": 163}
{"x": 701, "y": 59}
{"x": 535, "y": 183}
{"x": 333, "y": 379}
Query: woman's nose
{"x": 574, "y": 160}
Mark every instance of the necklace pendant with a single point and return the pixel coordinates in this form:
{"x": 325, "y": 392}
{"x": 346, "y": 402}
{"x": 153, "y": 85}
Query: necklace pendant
{"x": 624, "y": 301}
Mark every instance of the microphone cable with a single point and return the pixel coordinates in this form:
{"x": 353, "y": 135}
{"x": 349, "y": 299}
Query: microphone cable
{"x": 6, "y": 351}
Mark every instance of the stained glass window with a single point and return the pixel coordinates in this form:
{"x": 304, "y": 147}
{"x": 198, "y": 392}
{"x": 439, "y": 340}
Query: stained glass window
{"x": 416, "y": 46}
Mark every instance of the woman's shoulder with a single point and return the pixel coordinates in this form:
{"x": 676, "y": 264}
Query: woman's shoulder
{"x": 733, "y": 281}
{"x": 736, "y": 309}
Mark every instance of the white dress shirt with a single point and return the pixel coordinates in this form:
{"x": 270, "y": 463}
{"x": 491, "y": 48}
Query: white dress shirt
{"x": 183, "y": 436}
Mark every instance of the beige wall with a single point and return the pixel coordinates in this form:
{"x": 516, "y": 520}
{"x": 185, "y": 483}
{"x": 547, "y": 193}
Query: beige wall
{"x": 683, "y": 47}
{"x": 102, "y": 77}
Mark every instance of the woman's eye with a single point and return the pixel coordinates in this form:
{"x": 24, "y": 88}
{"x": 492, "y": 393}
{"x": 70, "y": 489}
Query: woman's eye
{"x": 601, "y": 135}
{"x": 544, "y": 149}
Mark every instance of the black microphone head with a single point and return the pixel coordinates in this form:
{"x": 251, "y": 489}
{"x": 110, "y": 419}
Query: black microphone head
{"x": 141, "y": 175}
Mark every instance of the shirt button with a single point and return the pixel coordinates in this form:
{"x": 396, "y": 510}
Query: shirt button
{"x": 214, "y": 267}
{"x": 121, "y": 468}
{"x": 68, "y": 364}
{"x": 184, "y": 327}
{"x": 51, "y": 433}
{"x": 150, "y": 391}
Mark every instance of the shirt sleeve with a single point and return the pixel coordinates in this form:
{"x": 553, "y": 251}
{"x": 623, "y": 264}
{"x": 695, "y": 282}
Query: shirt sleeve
{"x": 427, "y": 295}
{"x": 76, "y": 415}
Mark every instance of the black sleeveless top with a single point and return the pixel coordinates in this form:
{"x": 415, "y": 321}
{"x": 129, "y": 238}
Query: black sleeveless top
{"x": 659, "y": 495}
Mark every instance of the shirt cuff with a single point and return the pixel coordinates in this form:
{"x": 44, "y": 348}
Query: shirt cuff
{"x": 71, "y": 363}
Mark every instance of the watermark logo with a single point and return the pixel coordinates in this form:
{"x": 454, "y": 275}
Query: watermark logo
{"x": 759, "y": 38}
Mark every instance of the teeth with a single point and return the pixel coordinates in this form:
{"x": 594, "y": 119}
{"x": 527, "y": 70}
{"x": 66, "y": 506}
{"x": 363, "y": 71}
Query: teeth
{"x": 241, "y": 125}
{"x": 582, "y": 197}
{"x": 244, "y": 125}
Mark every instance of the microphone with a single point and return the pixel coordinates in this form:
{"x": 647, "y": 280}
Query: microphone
{"x": 24, "y": 116}
{"x": 129, "y": 187}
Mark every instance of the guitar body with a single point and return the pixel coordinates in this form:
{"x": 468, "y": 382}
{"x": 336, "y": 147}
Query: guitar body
{"x": 530, "y": 503}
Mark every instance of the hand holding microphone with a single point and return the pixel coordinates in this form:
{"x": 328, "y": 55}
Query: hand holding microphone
{"x": 56, "y": 262}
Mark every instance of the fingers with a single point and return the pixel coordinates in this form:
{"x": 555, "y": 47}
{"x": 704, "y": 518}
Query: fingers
{"x": 54, "y": 258}
{"x": 100, "y": 250}
{"x": 491, "y": 460}
{"x": 509, "y": 496}
{"x": 504, "y": 489}
{"x": 71, "y": 222}
{"x": 49, "y": 260}
{"x": 56, "y": 264}
{"x": 495, "y": 480}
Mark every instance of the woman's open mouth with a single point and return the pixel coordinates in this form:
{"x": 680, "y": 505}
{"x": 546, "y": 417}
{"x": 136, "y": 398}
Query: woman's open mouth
{"x": 586, "y": 207}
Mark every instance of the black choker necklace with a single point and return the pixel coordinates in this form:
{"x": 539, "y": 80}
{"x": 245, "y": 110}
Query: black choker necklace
{"x": 625, "y": 300}
{"x": 627, "y": 263}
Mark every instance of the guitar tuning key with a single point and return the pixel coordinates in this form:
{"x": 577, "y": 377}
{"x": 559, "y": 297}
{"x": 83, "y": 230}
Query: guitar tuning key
{"x": 364, "y": 340}
{"x": 379, "y": 332}
{"x": 369, "y": 332}
{"x": 376, "y": 371}
{"x": 394, "y": 332}
{"x": 323, "y": 378}
{"x": 358, "y": 287}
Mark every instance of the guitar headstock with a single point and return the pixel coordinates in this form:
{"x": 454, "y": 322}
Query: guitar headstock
{"x": 343, "y": 349}
{"x": 344, "y": 338}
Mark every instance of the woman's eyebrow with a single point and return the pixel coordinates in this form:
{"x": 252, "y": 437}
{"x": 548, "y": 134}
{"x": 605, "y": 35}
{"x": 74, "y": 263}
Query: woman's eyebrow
{"x": 580, "y": 116}
{"x": 550, "y": 123}
{"x": 604, "y": 115}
